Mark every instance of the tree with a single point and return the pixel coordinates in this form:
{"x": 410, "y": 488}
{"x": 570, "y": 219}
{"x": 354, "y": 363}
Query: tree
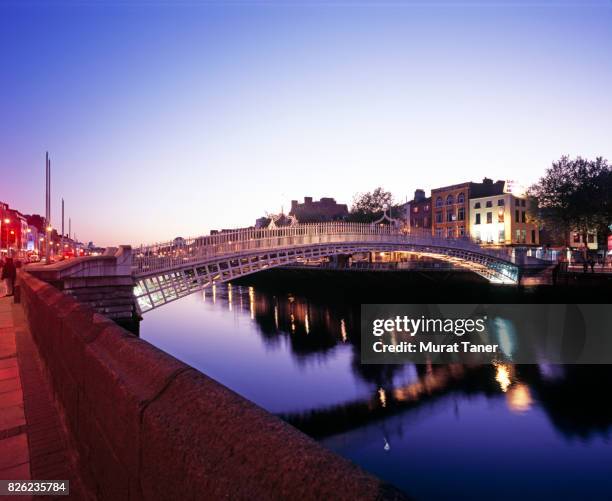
{"x": 368, "y": 206}
{"x": 575, "y": 195}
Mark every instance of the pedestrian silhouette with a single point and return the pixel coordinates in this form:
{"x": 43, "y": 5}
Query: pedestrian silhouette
{"x": 9, "y": 273}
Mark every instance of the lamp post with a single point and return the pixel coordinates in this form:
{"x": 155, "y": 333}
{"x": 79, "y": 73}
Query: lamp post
{"x": 49, "y": 243}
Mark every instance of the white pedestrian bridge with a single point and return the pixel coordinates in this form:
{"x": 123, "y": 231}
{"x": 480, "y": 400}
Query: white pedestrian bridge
{"x": 168, "y": 271}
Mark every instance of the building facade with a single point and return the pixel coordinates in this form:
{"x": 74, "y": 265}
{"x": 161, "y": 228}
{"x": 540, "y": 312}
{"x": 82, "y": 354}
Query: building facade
{"x": 501, "y": 219}
{"x": 417, "y": 212}
{"x": 326, "y": 209}
{"x": 450, "y": 210}
{"x": 576, "y": 240}
{"x": 14, "y": 230}
{"x": 451, "y": 206}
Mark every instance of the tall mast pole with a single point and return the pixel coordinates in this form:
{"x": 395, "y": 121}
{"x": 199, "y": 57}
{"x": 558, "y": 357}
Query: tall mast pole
{"x": 62, "y": 240}
{"x": 48, "y": 210}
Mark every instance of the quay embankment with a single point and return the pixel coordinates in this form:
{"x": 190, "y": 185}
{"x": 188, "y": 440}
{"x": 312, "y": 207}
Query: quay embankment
{"x": 144, "y": 425}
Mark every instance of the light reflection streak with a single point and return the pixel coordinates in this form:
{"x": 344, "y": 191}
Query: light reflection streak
{"x": 502, "y": 376}
{"x": 382, "y": 397}
{"x": 518, "y": 398}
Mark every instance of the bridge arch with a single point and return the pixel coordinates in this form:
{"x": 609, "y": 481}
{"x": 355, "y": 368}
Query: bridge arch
{"x": 166, "y": 272}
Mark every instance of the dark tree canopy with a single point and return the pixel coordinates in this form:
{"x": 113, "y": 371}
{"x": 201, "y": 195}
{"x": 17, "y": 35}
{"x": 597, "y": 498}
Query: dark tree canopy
{"x": 369, "y": 206}
{"x": 575, "y": 195}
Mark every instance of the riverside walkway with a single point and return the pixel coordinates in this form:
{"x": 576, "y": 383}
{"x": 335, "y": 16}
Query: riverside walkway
{"x": 33, "y": 443}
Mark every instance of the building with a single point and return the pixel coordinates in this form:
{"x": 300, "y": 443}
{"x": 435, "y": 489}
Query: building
{"x": 33, "y": 239}
{"x": 451, "y": 206}
{"x": 14, "y": 230}
{"x": 557, "y": 236}
{"x": 554, "y": 237}
{"x": 500, "y": 218}
{"x": 576, "y": 240}
{"x": 325, "y": 209}
{"x": 417, "y": 212}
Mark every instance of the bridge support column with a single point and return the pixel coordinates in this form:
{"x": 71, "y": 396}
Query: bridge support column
{"x": 340, "y": 260}
{"x": 103, "y": 282}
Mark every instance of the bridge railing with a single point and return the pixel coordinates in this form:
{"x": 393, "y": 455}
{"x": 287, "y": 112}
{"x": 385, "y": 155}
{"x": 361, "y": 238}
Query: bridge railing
{"x": 181, "y": 251}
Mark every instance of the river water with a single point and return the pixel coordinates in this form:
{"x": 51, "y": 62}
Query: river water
{"x": 436, "y": 432}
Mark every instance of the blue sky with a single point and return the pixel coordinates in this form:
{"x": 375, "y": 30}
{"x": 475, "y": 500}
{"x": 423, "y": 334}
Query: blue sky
{"x": 172, "y": 118}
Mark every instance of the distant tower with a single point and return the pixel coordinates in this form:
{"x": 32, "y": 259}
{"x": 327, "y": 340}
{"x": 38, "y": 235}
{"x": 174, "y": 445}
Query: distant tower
{"x": 47, "y": 187}
{"x": 48, "y": 205}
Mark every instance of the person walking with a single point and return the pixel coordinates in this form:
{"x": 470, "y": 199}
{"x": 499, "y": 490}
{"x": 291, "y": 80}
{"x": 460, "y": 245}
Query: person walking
{"x": 9, "y": 274}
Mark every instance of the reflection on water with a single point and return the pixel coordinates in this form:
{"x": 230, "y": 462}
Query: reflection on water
{"x": 436, "y": 431}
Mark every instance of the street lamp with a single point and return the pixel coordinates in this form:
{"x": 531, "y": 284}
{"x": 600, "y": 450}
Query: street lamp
{"x": 49, "y": 229}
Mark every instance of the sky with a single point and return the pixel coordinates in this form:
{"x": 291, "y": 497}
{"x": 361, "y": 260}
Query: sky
{"x": 168, "y": 119}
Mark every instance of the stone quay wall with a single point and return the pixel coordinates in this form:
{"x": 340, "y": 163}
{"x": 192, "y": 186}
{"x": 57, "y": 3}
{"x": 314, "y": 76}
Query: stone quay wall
{"x": 144, "y": 425}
